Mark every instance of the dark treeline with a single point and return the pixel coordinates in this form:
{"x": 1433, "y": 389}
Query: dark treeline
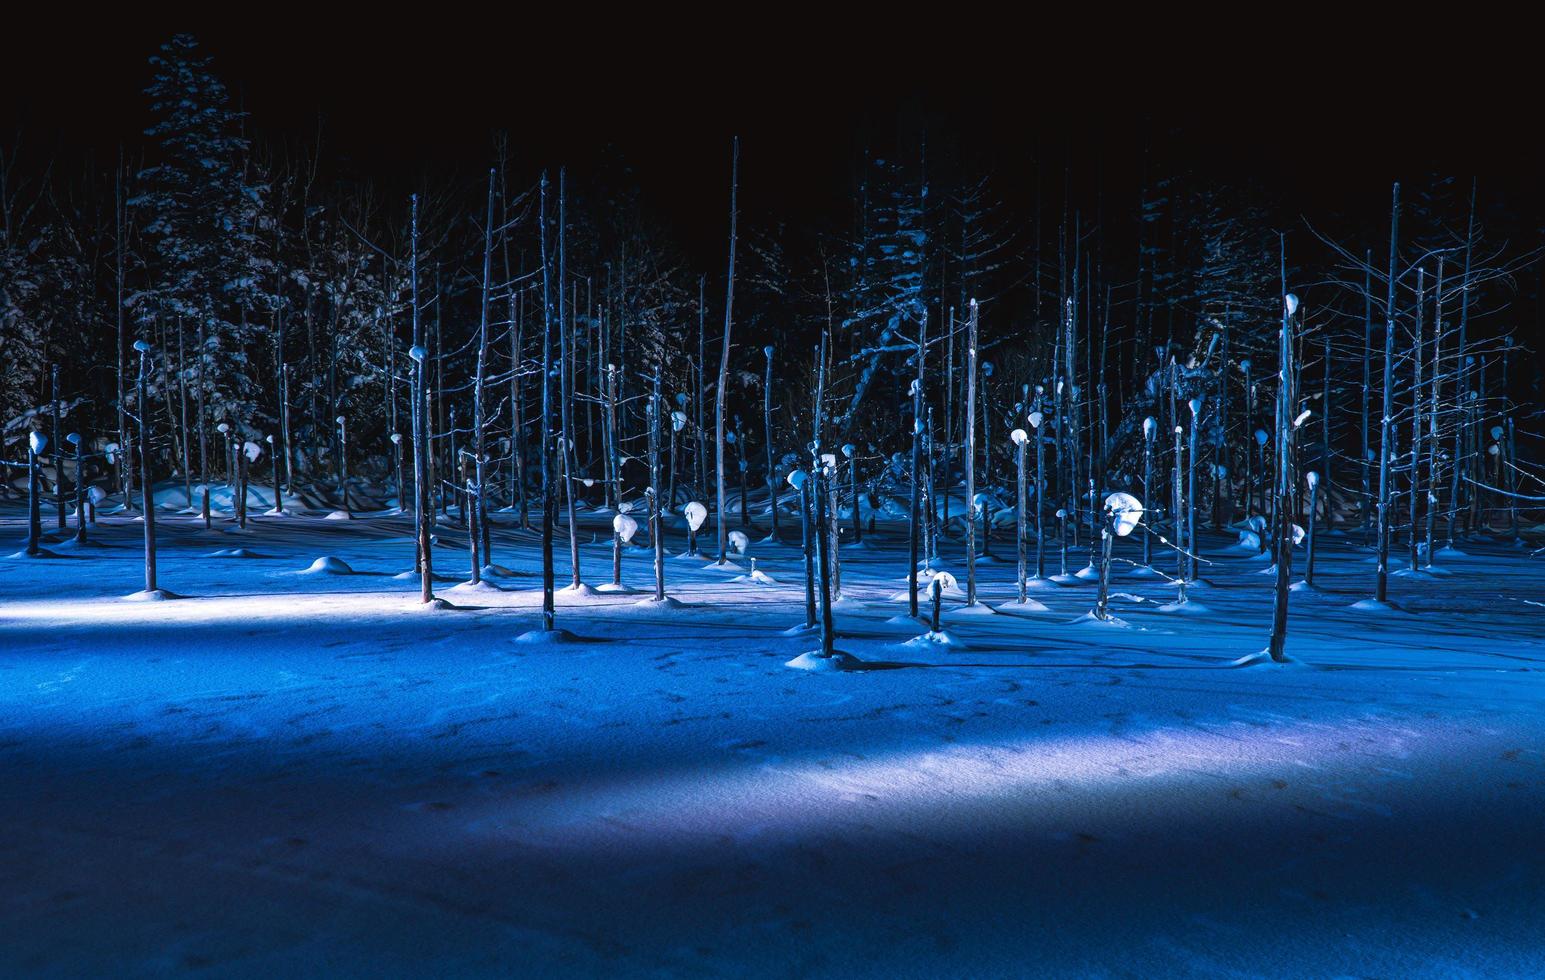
{"x": 1113, "y": 281}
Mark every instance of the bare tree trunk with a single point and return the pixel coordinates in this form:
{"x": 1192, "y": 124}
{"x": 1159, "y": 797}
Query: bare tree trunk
{"x": 724, "y": 360}
{"x": 565, "y": 365}
{"x": 58, "y": 448}
{"x": 821, "y": 473}
{"x": 480, "y": 455}
{"x": 1432, "y": 414}
{"x": 146, "y": 485}
{"x": 1413, "y": 556}
{"x": 970, "y": 453}
{"x": 699, "y": 457}
{"x": 1021, "y": 567}
{"x": 34, "y": 499}
{"x": 118, "y": 263}
{"x": 656, "y": 524}
{"x": 917, "y": 438}
{"x": 1381, "y": 591}
{"x": 423, "y": 514}
{"x": 767, "y": 436}
{"x": 1367, "y": 459}
{"x": 548, "y": 508}
{"x": 1463, "y": 391}
{"x": 1284, "y": 528}
{"x": 182, "y": 399}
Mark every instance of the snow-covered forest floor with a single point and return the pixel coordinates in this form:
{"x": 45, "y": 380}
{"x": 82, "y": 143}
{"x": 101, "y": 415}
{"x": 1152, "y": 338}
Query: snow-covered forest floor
{"x": 292, "y": 773}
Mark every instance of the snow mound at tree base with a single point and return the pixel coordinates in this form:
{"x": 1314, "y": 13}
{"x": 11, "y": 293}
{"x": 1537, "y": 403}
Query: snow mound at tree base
{"x": 553, "y": 637}
{"x": 1375, "y": 606}
{"x": 968, "y": 612}
{"x": 1190, "y": 607}
{"x": 152, "y": 595}
{"x": 814, "y": 662}
{"x": 411, "y": 575}
{"x": 1015, "y": 608}
{"x": 932, "y": 639}
{"x": 668, "y": 604}
{"x": 467, "y": 587}
{"x": 615, "y": 588}
{"x": 1260, "y": 657}
{"x": 328, "y": 565}
{"x": 1196, "y": 583}
{"x": 233, "y": 553}
{"x": 757, "y": 577}
{"x": 1109, "y": 622}
{"x": 1066, "y": 581}
{"x": 23, "y": 556}
{"x": 339, "y": 515}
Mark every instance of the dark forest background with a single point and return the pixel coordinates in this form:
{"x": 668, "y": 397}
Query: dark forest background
{"x": 244, "y": 204}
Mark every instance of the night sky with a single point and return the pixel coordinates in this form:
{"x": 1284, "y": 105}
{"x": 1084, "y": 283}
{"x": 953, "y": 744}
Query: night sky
{"x": 1318, "y": 127}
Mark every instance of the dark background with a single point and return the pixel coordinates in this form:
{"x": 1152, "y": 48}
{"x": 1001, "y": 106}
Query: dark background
{"x": 1312, "y": 117}
{"x": 1323, "y": 124}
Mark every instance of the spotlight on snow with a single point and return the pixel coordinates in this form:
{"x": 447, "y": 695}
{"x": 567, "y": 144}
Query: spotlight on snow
{"x": 38, "y": 441}
{"x": 1019, "y": 436}
{"x": 739, "y": 542}
{"x": 696, "y": 514}
{"x": 797, "y": 479}
{"x": 1036, "y": 418}
{"x": 1291, "y": 302}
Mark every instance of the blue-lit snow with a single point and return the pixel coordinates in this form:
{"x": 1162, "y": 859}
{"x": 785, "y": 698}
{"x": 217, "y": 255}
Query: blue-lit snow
{"x": 311, "y": 774}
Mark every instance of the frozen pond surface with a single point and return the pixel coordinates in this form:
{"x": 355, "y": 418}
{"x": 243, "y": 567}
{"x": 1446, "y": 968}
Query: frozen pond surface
{"x": 298, "y": 772}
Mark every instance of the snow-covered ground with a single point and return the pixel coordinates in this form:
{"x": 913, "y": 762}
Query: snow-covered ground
{"x": 296, "y": 772}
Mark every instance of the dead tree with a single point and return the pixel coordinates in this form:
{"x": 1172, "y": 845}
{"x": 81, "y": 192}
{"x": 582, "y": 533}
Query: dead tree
{"x": 724, "y": 362}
